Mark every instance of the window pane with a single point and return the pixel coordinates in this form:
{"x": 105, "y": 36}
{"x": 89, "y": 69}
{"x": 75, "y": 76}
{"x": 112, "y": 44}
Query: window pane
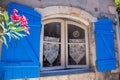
{"x": 76, "y": 54}
{"x": 75, "y": 34}
{"x": 51, "y": 55}
{"x": 52, "y": 32}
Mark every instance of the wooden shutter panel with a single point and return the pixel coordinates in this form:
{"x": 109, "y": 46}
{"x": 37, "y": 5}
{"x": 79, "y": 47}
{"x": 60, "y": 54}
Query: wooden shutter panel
{"x": 105, "y": 50}
{"x": 21, "y": 59}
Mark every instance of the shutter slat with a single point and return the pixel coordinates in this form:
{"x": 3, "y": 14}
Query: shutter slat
{"x": 30, "y": 52}
{"x": 107, "y": 47}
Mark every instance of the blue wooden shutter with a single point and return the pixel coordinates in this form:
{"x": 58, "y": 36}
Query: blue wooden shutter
{"x": 21, "y": 59}
{"x": 105, "y": 50}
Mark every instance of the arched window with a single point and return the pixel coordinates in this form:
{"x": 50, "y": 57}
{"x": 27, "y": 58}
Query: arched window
{"x": 64, "y": 45}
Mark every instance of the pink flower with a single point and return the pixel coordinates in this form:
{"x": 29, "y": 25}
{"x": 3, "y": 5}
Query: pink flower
{"x": 15, "y": 11}
{"x": 22, "y": 19}
{"x": 26, "y": 29}
{"x": 27, "y": 32}
{"x": 23, "y": 22}
{"x": 15, "y": 17}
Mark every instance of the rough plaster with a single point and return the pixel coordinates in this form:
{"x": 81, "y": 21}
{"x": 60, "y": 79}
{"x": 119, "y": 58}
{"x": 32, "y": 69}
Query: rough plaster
{"x": 95, "y": 7}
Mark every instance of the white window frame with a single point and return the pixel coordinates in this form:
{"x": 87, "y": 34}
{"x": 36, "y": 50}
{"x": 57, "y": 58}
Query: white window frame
{"x": 86, "y": 43}
{"x": 64, "y": 50}
{"x": 62, "y": 47}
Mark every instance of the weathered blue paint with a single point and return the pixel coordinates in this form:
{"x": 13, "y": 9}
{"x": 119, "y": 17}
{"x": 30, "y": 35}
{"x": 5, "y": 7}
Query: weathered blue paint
{"x": 105, "y": 51}
{"x": 21, "y": 59}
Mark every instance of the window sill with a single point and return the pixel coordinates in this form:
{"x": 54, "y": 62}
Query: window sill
{"x": 64, "y": 72}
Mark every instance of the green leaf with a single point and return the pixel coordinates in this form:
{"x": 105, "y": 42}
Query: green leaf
{"x": 12, "y": 24}
{"x": 1, "y": 18}
{"x": 20, "y": 35}
{"x": 118, "y": 7}
{"x": 5, "y": 30}
{"x": 13, "y": 28}
{"x": 14, "y": 36}
{"x": 4, "y": 41}
{"x": 9, "y": 35}
{"x": 19, "y": 29}
{"x": 16, "y": 24}
{"x": 6, "y": 17}
{"x": 2, "y": 26}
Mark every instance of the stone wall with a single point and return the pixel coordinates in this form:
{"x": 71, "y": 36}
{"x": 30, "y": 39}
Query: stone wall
{"x": 84, "y": 76}
{"x": 95, "y": 7}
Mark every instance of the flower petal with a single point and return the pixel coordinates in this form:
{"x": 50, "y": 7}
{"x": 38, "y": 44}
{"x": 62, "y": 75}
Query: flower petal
{"x": 15, "y": 11}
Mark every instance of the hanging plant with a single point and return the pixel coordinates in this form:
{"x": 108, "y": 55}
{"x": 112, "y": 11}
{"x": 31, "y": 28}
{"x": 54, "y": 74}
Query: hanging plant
{"x": 13, "y": 26}
{"x": 118, "y": 7}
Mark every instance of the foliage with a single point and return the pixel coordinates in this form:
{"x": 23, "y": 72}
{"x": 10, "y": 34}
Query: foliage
{"x": 118, "y": 7}
{"x": 12, "y": 26}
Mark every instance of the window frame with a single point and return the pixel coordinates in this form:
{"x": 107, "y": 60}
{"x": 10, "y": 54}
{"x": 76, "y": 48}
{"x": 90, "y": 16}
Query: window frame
{"x": 64, "y": 50}
{"x": 86, "y": 42}
{"x": 62, "y": 47}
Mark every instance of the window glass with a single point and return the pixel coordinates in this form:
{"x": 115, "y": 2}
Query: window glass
{"x": 76, "y": 54}
{"x": 76, "y": 45}
{"x": 52, "y": 32}
{"x": 75, "y": 34}
{"x": 51, "y": 46}
{"x": 51, "y": 55}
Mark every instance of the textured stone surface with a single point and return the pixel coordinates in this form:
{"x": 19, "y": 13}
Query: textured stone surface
{"x": 112, "y": 9}
{"x": 85, "y": 76}
{"x": 66, "y": 12}
{"x": 95, "y": 7}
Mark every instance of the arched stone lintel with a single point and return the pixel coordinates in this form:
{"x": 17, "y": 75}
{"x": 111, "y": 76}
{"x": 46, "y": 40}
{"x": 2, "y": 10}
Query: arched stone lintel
{"x": 66, "y": 12}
